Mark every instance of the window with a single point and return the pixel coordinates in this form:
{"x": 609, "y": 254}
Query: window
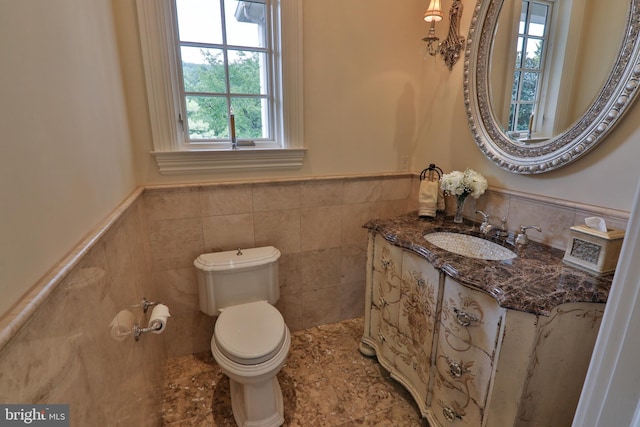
{"x": 207, "y": 59}
{"x": 224, "y": 51}
{"x": 533, "y": 35}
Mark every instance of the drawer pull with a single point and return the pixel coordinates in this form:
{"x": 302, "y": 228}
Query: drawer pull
{"x": 450, "y": 414}
{"x": 382, "y": 302}
{"x": 464, "y": 318}
{"x": 456, "y": 369}
{"x": 381, "y": 337}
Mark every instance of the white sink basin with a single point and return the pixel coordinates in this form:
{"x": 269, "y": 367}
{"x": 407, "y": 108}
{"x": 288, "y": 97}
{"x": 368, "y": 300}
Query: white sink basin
{"x": 470, "y": 246}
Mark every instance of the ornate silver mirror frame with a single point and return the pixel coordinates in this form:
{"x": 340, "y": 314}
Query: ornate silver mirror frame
{"x": 610, "y": 105}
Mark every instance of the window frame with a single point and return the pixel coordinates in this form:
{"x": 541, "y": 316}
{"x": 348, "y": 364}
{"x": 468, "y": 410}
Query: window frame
{"x": 161, "y": 68}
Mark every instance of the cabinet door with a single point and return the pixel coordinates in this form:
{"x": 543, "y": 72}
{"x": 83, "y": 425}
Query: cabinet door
{"x": 419, "y": 298}
{"x": 417, "y": 318}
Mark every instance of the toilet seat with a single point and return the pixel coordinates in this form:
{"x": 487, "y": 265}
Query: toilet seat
{"x": 250, "y": 333}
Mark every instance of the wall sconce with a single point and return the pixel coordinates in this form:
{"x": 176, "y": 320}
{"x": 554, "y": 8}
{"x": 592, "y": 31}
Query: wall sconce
{"x": 432, "y": 15}
{"x": 451, "y": 47}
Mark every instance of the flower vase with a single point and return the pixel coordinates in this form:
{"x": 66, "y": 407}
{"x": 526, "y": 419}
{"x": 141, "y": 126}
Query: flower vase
{"x": 459, "y": 207}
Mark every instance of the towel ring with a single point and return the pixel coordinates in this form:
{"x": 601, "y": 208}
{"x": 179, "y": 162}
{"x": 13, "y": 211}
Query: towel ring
{"x": 429, "y": 173}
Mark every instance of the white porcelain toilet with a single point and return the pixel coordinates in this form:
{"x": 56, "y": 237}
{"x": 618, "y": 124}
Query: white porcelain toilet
{"x": 250, "y": 342}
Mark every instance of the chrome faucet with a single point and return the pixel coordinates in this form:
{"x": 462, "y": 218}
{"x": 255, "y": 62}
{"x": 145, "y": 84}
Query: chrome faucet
{"x": 522, "y": 239}
{"x": 485, "y": 227}
{"x": 491, "y": 230}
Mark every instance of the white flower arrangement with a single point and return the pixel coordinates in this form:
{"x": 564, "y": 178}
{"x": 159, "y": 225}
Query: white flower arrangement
{"x": 463, "y": 184}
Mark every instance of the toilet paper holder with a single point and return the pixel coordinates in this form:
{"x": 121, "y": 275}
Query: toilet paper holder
{"x": 137, "y": 330}
{"x": 145, "y": 304}
{"x": 157, "y": 322}
{"x": 125, "y": 324}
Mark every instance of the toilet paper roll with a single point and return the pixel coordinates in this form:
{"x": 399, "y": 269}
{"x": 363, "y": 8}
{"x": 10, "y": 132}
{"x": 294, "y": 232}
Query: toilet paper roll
{"x": 159, "y": 314}
{"x": 121, "y": 325}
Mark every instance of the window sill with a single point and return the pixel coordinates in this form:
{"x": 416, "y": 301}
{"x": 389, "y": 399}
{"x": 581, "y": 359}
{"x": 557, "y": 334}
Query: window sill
{"x": 203, "y": 161}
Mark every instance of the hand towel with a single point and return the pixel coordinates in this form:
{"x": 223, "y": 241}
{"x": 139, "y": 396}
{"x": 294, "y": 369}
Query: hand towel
{"x": 440, "y": 198}
{"x": 428, "y": 198}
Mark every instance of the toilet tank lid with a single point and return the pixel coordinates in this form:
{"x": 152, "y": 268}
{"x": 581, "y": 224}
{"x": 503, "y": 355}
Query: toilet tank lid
{"x": 239, "y": 258}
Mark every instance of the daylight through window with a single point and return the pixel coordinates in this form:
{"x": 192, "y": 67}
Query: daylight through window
{"x": 533, "y": 35}
{"x": 224, "y": 50}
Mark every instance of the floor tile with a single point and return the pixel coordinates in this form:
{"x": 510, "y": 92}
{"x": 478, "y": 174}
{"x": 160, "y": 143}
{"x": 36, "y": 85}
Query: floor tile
{"x": 326, "y": 381}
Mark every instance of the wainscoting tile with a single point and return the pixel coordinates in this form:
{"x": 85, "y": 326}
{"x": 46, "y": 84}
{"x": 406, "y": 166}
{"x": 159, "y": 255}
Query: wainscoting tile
{"x": 277, "y": 196}
{"x": 227, "y": 232}
{"x": 320, "y": 228}
{"x": 320, "y": 269}
{"x": 226, "y": 200}
{"x": 172, "y": 204}
{"x": 175, "y": 243}
{"x": 362, "y": 190}
{"x": 323, "y": 193}
{"x": 278, "y": 228}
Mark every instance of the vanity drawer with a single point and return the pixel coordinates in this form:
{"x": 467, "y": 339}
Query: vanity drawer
{"x": 450, "y": 407}
{"x": 383, "y": 333}
{"x": 387, "y": 260}
{"x": 468, "y": 371}
{"x": 385, "y": 299}
{"x": 470, "y": 318}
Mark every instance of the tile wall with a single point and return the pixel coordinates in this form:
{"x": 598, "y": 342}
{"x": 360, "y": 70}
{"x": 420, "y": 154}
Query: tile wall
{"x": 316, "y": 224}
{"x": 553, "y": 216}
{"x": 64, "y": 352}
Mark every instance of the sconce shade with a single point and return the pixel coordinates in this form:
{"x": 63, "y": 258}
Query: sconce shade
{"x": 433, "y": 12}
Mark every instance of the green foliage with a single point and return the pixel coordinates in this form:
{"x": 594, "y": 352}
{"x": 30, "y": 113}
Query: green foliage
{"x": 525, "y": 89}
{"x": 207, "y": 109}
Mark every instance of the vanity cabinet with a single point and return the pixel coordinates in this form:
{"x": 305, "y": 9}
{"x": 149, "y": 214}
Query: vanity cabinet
{"x": 402, "y": 295}
{"x": 466, "y": 360}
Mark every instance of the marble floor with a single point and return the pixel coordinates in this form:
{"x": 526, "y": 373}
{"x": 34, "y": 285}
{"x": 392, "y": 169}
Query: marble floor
{"x": 325, "y": 382}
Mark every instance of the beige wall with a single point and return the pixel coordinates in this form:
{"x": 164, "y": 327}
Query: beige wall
{"x": 66, "y": 157}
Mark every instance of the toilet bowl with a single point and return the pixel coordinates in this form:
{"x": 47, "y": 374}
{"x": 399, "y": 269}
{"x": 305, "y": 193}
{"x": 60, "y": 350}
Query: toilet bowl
{"x": 251, "y": 341}
{"x": 250, "y": 344}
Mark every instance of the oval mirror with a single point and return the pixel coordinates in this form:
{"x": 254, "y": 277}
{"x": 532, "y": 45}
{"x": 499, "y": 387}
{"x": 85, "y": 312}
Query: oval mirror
{"x": 545, "y": 81}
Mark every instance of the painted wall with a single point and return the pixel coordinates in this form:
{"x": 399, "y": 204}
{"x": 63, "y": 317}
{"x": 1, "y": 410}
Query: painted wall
{"x": 66, "y": 155}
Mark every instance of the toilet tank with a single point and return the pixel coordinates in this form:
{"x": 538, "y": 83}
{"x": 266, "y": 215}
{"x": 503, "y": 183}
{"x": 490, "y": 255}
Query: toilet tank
{"x": 237, "y": 277}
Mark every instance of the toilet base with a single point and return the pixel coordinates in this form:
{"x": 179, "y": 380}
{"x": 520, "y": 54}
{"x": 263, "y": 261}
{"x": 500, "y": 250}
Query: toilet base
{"x": 257, "y": 405}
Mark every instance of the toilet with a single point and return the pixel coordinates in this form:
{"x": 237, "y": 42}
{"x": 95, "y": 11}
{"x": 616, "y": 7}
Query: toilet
{"x": 250, "y": 342}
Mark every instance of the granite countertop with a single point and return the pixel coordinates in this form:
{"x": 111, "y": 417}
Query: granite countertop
{"x": 535, "y": 281}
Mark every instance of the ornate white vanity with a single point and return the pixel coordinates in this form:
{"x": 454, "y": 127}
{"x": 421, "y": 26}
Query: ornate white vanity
{"x": 477, "y": 342}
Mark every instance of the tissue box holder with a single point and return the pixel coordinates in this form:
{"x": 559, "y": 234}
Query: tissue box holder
{"x": 593, "y": 250}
